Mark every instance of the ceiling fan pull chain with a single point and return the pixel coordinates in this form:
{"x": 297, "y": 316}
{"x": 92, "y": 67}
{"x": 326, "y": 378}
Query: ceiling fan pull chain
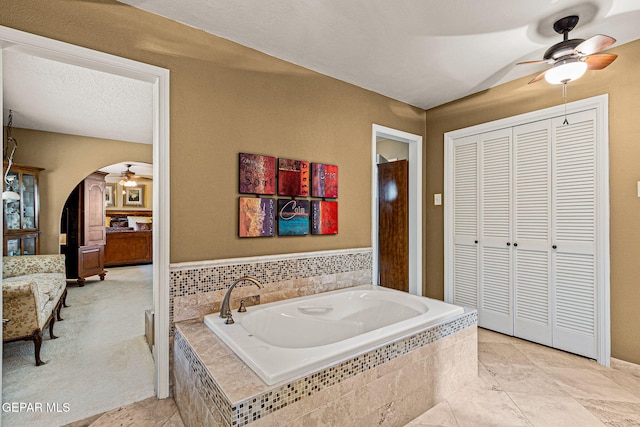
{"x": 564, "y": 95}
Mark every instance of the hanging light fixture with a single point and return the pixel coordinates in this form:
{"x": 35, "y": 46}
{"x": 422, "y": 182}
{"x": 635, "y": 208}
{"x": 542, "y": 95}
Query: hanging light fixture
{"x": 9, "y": 181}
{"x": 128, "y": 183}
{"x": 566, "y": 71}
{"x": 128, "y": 180}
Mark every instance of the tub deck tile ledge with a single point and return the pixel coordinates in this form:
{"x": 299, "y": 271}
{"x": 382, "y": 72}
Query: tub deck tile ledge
{"x": 231, "y": 389}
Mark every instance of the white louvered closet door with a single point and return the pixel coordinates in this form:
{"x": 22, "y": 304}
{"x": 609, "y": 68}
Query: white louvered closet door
{"x": 465, "y": 228}
{"x": 532, "y": 231}
{"x": 494, "y": 307}
{"x": 574, "y": 233}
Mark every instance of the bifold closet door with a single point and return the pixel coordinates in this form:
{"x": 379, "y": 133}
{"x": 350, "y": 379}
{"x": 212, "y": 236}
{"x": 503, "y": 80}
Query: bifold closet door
{"x": 496, "y": 246}
{"x": 465, "y": 221}
{"x": 532, "y": 231}
{"x": 573, "y": 255}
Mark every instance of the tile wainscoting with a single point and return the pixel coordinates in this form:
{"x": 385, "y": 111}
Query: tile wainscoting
{"x": 197, "y": 288}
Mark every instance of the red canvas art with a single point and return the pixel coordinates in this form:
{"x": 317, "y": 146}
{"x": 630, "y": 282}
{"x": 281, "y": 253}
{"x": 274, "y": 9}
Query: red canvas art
{"x": 293, "y": 177}
{"x": 324, "y": 217}
{"x": 257, "y": 174}
{"x": 324, "y": 180}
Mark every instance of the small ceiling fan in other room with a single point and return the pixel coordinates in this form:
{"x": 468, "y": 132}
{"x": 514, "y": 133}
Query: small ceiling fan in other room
{"x": 129, "y": 178}
{"x": 571, "y": 58}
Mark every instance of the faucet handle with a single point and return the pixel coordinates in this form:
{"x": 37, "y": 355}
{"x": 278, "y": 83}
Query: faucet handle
{"x": 242, "y": 308}
{"x": 229, "y": 319}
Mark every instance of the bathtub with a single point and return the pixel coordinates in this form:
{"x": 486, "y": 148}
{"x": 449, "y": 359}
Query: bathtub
{"x": 286, "y": 339}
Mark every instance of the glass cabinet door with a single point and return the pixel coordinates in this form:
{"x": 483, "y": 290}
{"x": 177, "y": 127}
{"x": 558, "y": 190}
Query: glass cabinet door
{"x": 21, "y": 234}
{"x": 12, "y": 207}
{"x": 28, "y": 245}
{"x": 13, "y": 247}
{"x": 28, "y": 202}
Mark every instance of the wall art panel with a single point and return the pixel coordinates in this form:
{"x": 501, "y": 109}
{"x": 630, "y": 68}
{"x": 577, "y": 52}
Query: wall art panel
{"x": 293, "y": 217}
{"x": 324, "y": 217}
{"x": 324, "y": 180}
{"x": 257, "y": 174}
{"x": 293, "y": 177}
{"x": 257, "y": 217}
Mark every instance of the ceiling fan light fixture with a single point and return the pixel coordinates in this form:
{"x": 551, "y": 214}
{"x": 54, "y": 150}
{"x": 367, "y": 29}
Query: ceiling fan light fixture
{"x": 128, "y": 183}
{"x": 566, "y": 71}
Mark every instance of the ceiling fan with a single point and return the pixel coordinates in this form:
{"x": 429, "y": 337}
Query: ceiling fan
{"x": 571, "y": 58}
{"x": 129, "y": 178}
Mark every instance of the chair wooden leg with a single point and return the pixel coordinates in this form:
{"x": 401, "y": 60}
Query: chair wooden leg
{"x": 37, "y": 342}
{"x": 64, "y": 298}
{"x": 51, "y": 323}
{"x": 58, "y": 310}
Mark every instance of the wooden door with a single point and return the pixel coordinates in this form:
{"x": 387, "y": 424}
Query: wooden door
{"x": 94, "y": 210}
{"x": 393, "y": 225}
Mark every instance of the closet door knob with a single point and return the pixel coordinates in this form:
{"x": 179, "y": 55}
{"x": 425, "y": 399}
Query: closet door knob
{"x": 515, "y": 244}
{"x": 554, "y": 247}
{"x": 476, "y": 241}
{"x": 508, "y": 244}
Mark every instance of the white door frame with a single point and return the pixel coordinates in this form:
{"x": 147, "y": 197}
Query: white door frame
{"x": 600, "y": 104}
{"x": 31, "y": 44}
{"x": 415, "y": 203}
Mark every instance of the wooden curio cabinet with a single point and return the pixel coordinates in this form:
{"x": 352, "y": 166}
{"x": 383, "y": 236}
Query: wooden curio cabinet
{"x": 21, "y": 228}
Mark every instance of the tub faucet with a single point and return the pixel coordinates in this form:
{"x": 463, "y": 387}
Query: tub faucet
{"x": 224, "y": 308}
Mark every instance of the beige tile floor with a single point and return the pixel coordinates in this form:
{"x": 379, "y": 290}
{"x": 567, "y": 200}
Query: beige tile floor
{"x": 519, "y": 384}
{"x": 147, "y": 413}
{"x": 525, "y": 384}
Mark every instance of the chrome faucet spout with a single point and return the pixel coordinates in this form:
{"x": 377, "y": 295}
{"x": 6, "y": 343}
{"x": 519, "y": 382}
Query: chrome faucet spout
{"x": 224, "y": 308}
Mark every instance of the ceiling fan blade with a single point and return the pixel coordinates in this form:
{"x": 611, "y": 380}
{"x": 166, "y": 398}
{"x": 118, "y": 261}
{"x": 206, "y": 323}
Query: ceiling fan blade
{"x": 594, "y": 44}
{"x": 537, "y": 78}
{"x": 541, "y": 61}
{"x": 599, "y": 61}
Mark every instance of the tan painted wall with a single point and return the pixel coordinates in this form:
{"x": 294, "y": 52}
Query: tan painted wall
{"x": 227, "y": 99}
{"x": 620, "y": 81}
{"x": 67, "y": 160}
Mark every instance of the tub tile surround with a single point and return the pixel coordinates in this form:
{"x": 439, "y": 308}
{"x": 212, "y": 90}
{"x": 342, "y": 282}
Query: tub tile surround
{"x": 389, "y": 385}
{"x": 197, "y": 288}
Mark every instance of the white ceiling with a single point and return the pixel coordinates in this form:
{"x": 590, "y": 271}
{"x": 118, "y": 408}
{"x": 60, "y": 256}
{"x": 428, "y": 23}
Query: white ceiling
{"x": 423, "y": 52}
{"x": 52, "y": 96}
{"x": 140, "y": 169}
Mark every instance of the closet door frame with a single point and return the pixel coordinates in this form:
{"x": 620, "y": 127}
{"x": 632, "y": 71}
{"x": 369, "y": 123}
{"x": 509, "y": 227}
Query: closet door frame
{"x": 600, "y": 104}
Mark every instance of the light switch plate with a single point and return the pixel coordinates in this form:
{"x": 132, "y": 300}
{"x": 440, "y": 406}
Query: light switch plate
{"x": 437, "y": 198}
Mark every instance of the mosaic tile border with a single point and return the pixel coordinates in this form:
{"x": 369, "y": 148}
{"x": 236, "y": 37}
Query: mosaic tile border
{"x": 193, "y": 278}
{"x": 253, "y": 408}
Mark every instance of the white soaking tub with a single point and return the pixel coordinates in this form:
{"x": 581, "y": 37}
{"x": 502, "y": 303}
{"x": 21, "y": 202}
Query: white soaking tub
{"x": 286, "y": 339}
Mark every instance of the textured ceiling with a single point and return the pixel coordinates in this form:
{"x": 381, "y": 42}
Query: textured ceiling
{"x": 140, "y": 169}
{"x": 56, "y": 97}
{"x": 423, "y": 52}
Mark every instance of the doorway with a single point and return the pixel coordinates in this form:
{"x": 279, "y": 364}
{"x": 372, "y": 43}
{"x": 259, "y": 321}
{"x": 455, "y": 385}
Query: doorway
{"x": 30, "y": 44}
{"x": 414, "y": 149}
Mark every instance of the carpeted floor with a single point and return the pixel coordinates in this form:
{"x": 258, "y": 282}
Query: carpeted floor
{"x": 100, "y": 361}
